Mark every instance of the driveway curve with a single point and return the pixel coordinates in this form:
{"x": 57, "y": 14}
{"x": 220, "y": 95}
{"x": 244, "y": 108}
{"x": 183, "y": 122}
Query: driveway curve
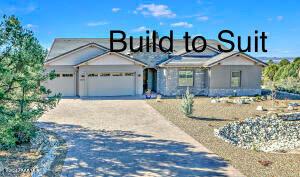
{"x": 127, "y": 137}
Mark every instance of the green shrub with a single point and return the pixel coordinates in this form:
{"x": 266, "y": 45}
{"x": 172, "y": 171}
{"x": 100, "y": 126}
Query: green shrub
{"x": 187, "y": 103}
{"x": 15, "y": 132}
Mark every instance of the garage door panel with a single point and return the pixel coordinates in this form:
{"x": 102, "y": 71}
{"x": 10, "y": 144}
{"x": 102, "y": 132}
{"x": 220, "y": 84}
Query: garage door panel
{"x": 111, "y": 84}
{"x": 63, "y": 83}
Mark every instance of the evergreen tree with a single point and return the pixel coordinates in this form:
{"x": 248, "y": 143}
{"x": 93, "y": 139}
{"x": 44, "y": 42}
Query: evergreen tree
{"x": 23, "y": 98}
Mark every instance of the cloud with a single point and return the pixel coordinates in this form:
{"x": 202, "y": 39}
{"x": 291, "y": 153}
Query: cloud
{"x": 202, "y": 18}
{"x": 115, "y": 10}
{"x": 279, "y": 18}
{"x": 182, "y": 24}
{"x": 141, "y": 29}
{"x": 97, "y": 23}
{"x": 14, "y": 9}
{"x": 31, "y": 26}
{"x": 155, "y": 10}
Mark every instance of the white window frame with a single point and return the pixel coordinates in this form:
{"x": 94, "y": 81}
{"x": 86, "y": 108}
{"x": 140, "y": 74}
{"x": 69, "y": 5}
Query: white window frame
{"x": 240, "y": 79}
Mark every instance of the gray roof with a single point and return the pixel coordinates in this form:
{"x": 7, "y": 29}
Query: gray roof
{"x": 63, "y": 45}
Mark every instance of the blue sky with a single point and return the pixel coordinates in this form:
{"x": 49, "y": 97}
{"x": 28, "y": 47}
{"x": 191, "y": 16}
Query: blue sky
{"x": 95, "y": 18}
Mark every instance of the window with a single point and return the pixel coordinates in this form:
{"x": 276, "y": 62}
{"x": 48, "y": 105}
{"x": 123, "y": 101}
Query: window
{"x": 67, "y": 75}
{"x": 57, "y": 75}
{"x": 117, "y": 74}
{"x": 93, "y": 75}
{"x": 104, "y": 74}
{"x": 236, "y": 79}
{"x": 129, "y": 74}
{"x": 186, "y": 78}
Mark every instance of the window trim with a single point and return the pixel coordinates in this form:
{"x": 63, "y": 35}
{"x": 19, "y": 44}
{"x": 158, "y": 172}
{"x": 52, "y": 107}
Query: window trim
{"x": 193, "y": 74}
{"x": 240, "y": 80}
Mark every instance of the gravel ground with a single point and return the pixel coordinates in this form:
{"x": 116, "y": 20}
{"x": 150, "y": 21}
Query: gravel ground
{"x": 208, "y": 116}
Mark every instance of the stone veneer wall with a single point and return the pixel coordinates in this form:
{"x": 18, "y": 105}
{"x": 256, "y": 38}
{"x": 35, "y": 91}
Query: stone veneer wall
{"x": 168, "y": 82}
{"x": 230, "y": 92}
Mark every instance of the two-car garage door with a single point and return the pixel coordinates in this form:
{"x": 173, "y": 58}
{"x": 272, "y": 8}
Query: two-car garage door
{"x": 111, "y": 84}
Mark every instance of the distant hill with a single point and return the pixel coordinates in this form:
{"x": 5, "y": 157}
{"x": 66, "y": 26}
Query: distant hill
{"x": 275, "y": 59}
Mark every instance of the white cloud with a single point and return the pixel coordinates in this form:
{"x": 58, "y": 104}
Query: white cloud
{"x": 182, "y": 24}
{"x": 156, "y": 10}
{"x": 161, "y": 24}
{"x": 115, "y": 9}
{"x": 279, "y": 18}
{"x": 203, "y": 18}
{"x": 141, "y": 29}
{"x": 15, "y": 9}
{"x": 97, "y": 23}
{"x": 31, "y": 26}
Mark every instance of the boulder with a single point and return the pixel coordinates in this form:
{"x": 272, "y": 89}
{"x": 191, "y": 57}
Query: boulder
{"x": 260, "y": 108}
{"x": 214, "y": 101}
{"x": 290, "y": 108}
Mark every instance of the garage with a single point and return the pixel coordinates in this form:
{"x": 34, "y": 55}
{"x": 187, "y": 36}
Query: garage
{"x": 64, "y": 83}
{"x": 111, "y": 84}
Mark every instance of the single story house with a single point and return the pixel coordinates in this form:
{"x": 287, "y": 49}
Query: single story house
{"x": 86, "y": 67}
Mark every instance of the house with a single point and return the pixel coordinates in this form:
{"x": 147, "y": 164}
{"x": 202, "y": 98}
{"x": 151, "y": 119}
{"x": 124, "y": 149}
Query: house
{"x": 86, "y": 67}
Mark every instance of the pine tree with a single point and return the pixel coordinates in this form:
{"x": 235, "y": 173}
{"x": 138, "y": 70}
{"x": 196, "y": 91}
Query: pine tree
{"x": 23, "y": 99}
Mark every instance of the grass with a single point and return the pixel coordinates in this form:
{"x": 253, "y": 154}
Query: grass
{"x": 208, "y": 116}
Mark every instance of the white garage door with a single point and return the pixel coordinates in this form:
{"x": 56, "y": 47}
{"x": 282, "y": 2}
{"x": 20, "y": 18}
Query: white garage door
{"x": 64, "y": 83}
{"x": 111, "y": 84}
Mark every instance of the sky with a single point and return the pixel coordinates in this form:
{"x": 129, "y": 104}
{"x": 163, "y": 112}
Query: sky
{"x": 95, "y": 18}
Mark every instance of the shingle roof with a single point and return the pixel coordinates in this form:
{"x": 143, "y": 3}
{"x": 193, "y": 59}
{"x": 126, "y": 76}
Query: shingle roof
{"x": 63, "y": 45}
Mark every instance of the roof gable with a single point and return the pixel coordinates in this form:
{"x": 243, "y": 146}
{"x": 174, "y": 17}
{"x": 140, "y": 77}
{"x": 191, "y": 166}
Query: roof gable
{"x": 76, "y": 56}
{"x": 111, "y": 58}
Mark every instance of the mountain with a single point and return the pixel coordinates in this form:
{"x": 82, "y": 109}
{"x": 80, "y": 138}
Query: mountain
{"x": 275, "y": 59}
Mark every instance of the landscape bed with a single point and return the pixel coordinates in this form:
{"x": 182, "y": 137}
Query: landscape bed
{"x": 208, "y": 116}
{"x": 43, "y": 156}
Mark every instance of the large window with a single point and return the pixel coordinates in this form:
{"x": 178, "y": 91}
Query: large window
{"x": 186, "y": 78}
{"x": 236, "y": 79}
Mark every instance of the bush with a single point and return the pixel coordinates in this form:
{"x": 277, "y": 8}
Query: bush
{"x": 15, "y": 132}
{"x": 187, "y": 103}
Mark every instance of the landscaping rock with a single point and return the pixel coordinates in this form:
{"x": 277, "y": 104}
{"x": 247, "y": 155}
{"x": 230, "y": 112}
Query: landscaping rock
{"x": 268, "y": 134}
{"x": 239, "y": 101}
{"x": 260, "y": 108}
{"x": 214, "y": 101}
{"x": 290, "y": 108}
{"x": 293, "y": 104}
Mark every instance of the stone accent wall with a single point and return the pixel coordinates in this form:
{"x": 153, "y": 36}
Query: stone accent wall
{"x": 230, "y": 92}
{"x": 168, "y": 82}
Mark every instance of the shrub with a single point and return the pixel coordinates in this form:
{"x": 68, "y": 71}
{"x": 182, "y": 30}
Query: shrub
{"x": 187, "y": 103}
{"x": 15, "y": 132}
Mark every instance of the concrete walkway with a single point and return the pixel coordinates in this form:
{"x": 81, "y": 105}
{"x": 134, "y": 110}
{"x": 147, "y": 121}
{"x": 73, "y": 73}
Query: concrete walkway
{"x": 127, "y": 137}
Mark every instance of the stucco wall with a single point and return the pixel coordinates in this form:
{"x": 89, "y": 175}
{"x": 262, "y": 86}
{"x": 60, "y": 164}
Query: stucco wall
{"x": 84, "y": 70}
{"x": 220, "y": 76}
{"x": 220, "y": 80}
{"x": 168, "y": 81}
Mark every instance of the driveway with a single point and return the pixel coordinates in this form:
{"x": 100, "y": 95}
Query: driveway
{"x": 127, "y": 137}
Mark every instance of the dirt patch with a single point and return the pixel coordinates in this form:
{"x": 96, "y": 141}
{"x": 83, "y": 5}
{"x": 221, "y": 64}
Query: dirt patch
{"x": 208, "y": 116}
{"x": 22, "y": 160}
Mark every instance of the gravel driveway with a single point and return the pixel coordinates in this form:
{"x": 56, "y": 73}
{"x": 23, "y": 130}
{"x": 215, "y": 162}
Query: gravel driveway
{"x": 127, "y": 137}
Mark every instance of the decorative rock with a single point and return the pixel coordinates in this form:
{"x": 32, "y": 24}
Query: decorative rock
{"x": 239, "y": 101}
{"x": 290, "y": 108}
{"x": 272, "y": 114}
{"x": 260, "y": 108}
{"x": 214, "y": 101}
{"x": 293, "y": 104}
{"x": 268, "y": 134}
